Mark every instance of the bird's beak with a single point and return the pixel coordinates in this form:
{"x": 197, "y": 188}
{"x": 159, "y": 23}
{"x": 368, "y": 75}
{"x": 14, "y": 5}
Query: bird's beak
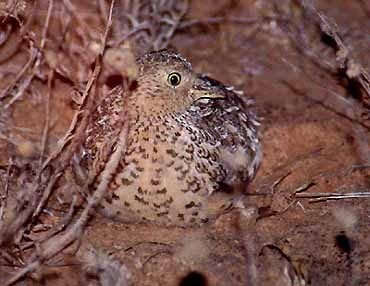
{"x": 207, "y": 88}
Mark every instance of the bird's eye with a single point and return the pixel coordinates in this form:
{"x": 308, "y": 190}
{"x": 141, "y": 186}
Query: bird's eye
{"x": 174, "y": 79}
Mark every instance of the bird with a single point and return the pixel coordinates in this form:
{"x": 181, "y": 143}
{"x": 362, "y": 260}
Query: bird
{"x": 193, "y": 144}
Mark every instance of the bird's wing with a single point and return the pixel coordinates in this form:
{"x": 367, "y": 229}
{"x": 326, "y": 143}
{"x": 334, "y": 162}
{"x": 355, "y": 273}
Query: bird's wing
{"x": 231, "y": 122}
{"x": 102, "y": 132}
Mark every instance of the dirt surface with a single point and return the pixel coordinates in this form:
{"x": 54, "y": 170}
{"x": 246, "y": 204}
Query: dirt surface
{"x": 315, "y": 142}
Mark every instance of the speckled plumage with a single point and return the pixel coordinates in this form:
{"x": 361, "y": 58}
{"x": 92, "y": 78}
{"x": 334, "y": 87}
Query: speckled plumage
{"x": 190, "y": 147}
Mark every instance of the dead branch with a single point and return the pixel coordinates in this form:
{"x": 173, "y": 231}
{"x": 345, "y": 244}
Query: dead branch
{"x": 29, "y": 268}
{"x": 15, "y": 225}
{"x": 45, "y": 132}
{"x": 153, "y": 23}
{"x": 354, "y": 70}
{"x": 10, "y": 42}
{"x": 103, "y": 10}
{"x": 45, "y": 196}
{"x": 343, "y": 59}
{"x": 80, "y": 21}
{"x": 304, "y": 187}
{"x": 46, "y": 25}
{"x": 57, "y": 243}
{"x": 11, "y": 10}
{"x": 36, "y": 56}
{"x": 319, "y": 197}
{"x": 22, "y": 72}
{"x": 28, "y": 207}
{"x": 50, "y": 78}
{"x": 163, "y": 38}
{"x": 4, "y": 196}
{"x": 217, "y": 20}
{"x": 65, "y": 221}
{"x": 359, "y": 166}
{"x": 271, "y": 188}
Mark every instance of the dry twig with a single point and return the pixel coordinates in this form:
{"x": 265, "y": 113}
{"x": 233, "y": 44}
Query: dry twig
{"x": 45, "y": 132}
{"x": 56, "y": 229}
{"x": 28, "y": 206}
{"x": 21, "y": 73}
{"x": 319, "y": 197}
{"x": 57, "y": 243}
{"x": 217, "y": 20}
{"x": 4, "y": 196}
{"x": 354, "y": 70}
{"x": 35, "y": 59}
{"x": 150, "y": 24}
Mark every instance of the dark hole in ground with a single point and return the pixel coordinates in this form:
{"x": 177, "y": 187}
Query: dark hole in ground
{"x": 193, "y": 278}
{"x": 343, "y": 243}
{"x": 114, "y": 80}
{"x": 328, "y": 40}
{"x": 226, "y": 188}
{"x": 354, "y": 89}
{"x": 133, "y": 85}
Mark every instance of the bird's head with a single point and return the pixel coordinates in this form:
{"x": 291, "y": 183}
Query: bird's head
{"x": 168, "y": 84}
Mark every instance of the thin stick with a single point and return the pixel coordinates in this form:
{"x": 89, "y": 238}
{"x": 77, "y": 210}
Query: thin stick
{"x": 37, "y": 56}
{"x": 21, "y": 72}
{"x": 4, "y": 198}
{"x": 10, "y": 7}
{"x": 56, "y": 229}
{"x": 23, "y": 271}
{"x": 103, "y": 10}
{"x": 163, "y": 40}
{"x": 28, "y": 209}
{"x": 50, "y": 78}
{"x": 353, "y": 69}
{"x": 21, "y": 89}
{"x": 45, "y": 132}
{"x": 54, "y": 245}
{"x": 278, "y": 181}
{"x": 68, "y": 136}
{"x": 45, "y": 195}
{"x": 46, "y": 25}
{"x": 80, "y": 20}
{"x": 107, "y": 30}
{"x": 318, "y": 197}
{"x": 218, "y": 20}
